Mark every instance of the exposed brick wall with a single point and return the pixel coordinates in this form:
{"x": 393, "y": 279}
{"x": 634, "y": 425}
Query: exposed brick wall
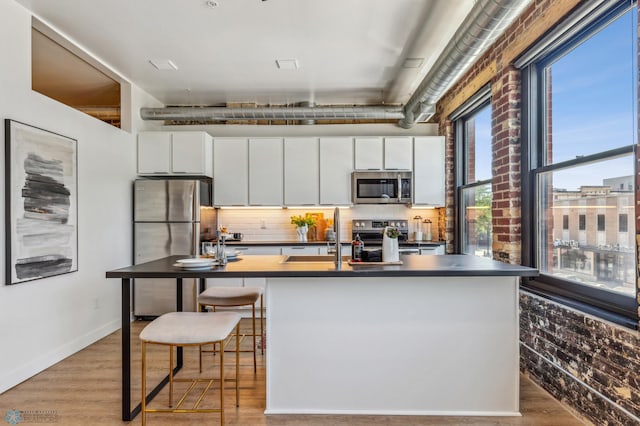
{"x": 506, "y": 185}
{"x": 446, "y": 129}
{"x": 590, "y": 365}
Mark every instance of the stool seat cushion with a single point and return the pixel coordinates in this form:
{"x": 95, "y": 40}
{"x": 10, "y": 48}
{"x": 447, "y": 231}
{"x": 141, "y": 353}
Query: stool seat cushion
{"x": 189, "y": 328}
{"x": 229, "y": 296}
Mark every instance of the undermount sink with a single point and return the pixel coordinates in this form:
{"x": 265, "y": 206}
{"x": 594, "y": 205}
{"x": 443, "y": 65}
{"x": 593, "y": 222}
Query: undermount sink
{"x": 317, "y": 258}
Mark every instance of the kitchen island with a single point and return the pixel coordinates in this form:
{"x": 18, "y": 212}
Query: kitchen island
{"x": 436, "y": 335}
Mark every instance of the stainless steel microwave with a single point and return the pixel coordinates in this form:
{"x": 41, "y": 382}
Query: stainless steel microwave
{"x": 381, "y": 187}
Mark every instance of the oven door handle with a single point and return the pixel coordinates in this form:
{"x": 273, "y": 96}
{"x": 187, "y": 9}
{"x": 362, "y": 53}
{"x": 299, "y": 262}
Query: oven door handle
{"x": 399, "y": 187}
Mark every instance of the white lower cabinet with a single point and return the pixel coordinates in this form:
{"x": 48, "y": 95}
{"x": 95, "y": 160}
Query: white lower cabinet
{"x": 263, "y": 250}
{"x": 346, "y": 250}
{"x": 224, "y": 282}
{"x": 305, "y": 250}
{"x": 431, "y": 250}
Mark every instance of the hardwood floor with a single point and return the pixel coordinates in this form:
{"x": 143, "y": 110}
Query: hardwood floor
{"x": 84, "y": 389}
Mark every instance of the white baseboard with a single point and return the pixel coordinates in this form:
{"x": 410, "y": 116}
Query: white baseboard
{"x": 396, "y": 413}
{"x": 46, "y": 360}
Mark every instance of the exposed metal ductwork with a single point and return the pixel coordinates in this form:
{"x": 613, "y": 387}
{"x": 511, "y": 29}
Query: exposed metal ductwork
{"x": 272, "y": 113}
{"x": 486, "y": 21}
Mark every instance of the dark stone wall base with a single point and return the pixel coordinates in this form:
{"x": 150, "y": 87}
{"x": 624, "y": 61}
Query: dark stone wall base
{"x": 589, "y": 365}
{"x": 580, "y": 400}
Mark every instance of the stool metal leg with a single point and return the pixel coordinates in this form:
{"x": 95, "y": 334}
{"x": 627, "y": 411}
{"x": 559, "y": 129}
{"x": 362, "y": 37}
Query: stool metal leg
{"x": 261, "y": 324}
{"x": 144, "y": 384}
{"x": 222, "y": 382}
{"x": 238, "y": 365}
{"x": 170, "y": 375}
{"x": 253, "y": 314}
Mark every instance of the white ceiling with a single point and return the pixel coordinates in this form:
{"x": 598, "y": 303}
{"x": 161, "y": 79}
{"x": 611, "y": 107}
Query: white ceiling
{"x": 349, "y": 51}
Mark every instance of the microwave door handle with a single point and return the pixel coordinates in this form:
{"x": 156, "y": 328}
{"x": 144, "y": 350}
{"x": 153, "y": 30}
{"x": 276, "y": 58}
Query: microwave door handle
{"x": 399, "y": 188}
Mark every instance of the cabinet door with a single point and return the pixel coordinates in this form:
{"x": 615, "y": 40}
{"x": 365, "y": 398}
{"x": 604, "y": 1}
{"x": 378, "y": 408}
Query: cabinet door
{"x": 336, "y": 165}
{"x": 224, "y": 282}
{"x": 301, "y": 171}
{"x": 398, "y": 153}
{"x": 346, "y": 250}
{"x": 266, "y": 172}
{"x": 230, "y": 171}
{"x": 431, "y": 250}
{"x": 191, "y": 153}
{"x": 306, "y": 250}
{"x": 154, "y": 153}
{"x": 369, "y": 153}
{"x": 428, "y": 171}
{"x": 253, "y": 250}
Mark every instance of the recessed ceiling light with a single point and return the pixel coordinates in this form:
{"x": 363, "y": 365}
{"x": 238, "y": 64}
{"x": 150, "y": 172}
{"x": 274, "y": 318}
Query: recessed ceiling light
{"x": 211, "y": 3}
{"x": 287, "y": 64}
{"x": 163, "y": 64}
{"x": 412, "y": 63}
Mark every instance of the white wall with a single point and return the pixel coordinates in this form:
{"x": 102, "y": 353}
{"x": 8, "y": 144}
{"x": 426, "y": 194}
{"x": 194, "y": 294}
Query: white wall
{"x": 44, "y": 321}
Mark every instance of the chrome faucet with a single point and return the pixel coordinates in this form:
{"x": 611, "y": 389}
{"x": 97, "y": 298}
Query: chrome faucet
{"x": 336, "y": 229}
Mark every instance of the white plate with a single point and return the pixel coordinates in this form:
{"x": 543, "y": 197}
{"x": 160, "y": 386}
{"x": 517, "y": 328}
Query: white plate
{"x": 196, "y": 267}
{"x": 194, "y": 262}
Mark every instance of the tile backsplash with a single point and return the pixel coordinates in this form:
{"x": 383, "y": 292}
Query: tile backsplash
{"x": 275, "y": 224}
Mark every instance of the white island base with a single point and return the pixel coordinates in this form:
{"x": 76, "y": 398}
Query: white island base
{"x": 393, "y": 345}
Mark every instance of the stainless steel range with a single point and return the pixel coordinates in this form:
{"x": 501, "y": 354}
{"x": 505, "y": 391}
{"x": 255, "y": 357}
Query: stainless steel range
{"x": 370, "y": 230}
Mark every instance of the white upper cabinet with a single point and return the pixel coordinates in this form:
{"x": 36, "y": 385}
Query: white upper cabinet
{"x": 376, "y": 153}
{"x": 154, "y": 153}
{"x": 230, "y": 172}
{"x": 173, "y": 153}
{"x": 191, "y": 153}
{"x": 369, "y": 153}
{"x": 398, "y": 153}
{"x": 428, "y": 171}
{"x": 266, "y": 160}
{"x": 301, "y": 171}
{"x": 336, "y": 165}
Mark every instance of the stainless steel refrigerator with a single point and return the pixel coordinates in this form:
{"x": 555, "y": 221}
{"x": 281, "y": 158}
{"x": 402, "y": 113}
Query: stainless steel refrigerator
{"x": 166, "y": 221}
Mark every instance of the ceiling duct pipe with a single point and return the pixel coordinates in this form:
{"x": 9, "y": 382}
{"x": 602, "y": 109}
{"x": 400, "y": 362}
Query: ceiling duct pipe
{"x": 307, "y": 122}
{"x": 483, "y": 25}
{"x": 310, "y": 113}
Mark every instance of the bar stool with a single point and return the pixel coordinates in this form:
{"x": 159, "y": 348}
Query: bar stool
{"x": 233, "y": 297}
{"x": 190, "y": 329}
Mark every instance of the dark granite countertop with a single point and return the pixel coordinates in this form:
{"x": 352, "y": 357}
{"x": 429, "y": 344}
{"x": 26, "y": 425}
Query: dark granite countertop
{"x": 273, "y": 266}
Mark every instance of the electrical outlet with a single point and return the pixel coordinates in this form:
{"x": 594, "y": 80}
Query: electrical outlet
{"x": 96, "y": 303}
{"x": 263, "y": 224}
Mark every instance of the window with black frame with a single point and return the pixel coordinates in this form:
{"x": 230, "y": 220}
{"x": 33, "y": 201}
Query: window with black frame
{"x": 581, "y": 171}
{"x": 474, "y": 194}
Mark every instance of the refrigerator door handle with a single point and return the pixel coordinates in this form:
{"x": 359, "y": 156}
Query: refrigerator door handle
{"x": 195, "y": 247}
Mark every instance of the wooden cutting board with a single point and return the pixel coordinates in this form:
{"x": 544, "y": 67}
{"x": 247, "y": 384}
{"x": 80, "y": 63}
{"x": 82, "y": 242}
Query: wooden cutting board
{"x": 316, "y": 233}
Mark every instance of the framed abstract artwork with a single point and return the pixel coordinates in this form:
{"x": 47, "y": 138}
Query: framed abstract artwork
{"x": 41, "y": 203}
